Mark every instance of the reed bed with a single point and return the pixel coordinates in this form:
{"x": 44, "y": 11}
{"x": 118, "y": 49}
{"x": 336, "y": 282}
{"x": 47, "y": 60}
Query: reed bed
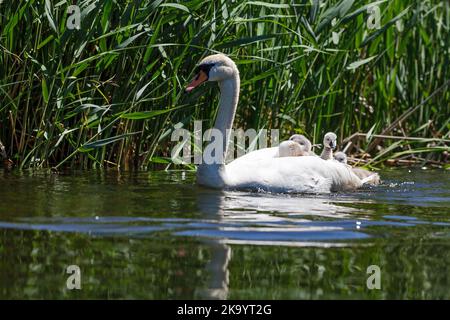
{"x": 110, "y": 93}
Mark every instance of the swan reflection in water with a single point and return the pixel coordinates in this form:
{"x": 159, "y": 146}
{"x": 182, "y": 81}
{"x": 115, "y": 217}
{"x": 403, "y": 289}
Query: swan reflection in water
{"x": 266, "y": 220}
{"x": 262, "y": 217}
{"x": 222, "y": 219}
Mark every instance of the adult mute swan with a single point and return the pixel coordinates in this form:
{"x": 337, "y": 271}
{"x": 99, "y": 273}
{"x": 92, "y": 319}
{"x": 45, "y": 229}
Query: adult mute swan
{"x": 260, "y": 172}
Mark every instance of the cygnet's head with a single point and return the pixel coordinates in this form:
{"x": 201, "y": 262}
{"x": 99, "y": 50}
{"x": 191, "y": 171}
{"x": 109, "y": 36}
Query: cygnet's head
{"x": 217, "y": 67}
{"x": 329, "y": 140}
{"x": 289, "y": 149}
{"x": 340, "y": 157}
{"x": 304, "y": 143}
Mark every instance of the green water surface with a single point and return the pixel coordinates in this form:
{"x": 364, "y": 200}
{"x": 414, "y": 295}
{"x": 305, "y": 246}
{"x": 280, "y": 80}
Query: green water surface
{"x": 156, "y": 235}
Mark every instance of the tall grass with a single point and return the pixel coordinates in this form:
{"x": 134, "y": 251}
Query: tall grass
{"x": 110, "y": 93}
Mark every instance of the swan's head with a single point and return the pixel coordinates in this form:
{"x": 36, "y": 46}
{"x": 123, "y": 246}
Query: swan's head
{"x": 340, "y": 157}
{"x": 217, "y": 67}
{"x": 304, "y": 143}
{"x": 329, "y": 140}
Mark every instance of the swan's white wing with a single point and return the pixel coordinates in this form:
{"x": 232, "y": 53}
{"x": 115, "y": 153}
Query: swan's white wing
{"x": 257, "y": 155}
{"x": 291, "y": 174}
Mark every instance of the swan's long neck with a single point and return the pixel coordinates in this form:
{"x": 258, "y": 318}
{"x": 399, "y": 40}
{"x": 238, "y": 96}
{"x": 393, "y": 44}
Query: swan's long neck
{"x": 327, "y": 153}
{"x": 214, "y": 175}
{"x": 229, "y": 96}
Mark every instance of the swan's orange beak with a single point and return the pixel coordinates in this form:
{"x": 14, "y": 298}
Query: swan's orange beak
{"x": 198, "y": 80}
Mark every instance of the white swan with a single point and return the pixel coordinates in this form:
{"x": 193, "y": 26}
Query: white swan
{"x": 261, "y": 170}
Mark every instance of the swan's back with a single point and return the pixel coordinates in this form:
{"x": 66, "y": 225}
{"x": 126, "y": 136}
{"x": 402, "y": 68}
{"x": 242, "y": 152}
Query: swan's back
{"x": 258, "y": 155}
{"x": 306, "y": 174}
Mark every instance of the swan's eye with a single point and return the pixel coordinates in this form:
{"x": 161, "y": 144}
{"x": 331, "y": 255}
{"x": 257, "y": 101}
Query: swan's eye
{"x": 206, "y": 67}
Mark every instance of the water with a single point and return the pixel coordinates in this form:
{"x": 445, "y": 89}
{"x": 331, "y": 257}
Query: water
{"x": 156, "y": 235}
